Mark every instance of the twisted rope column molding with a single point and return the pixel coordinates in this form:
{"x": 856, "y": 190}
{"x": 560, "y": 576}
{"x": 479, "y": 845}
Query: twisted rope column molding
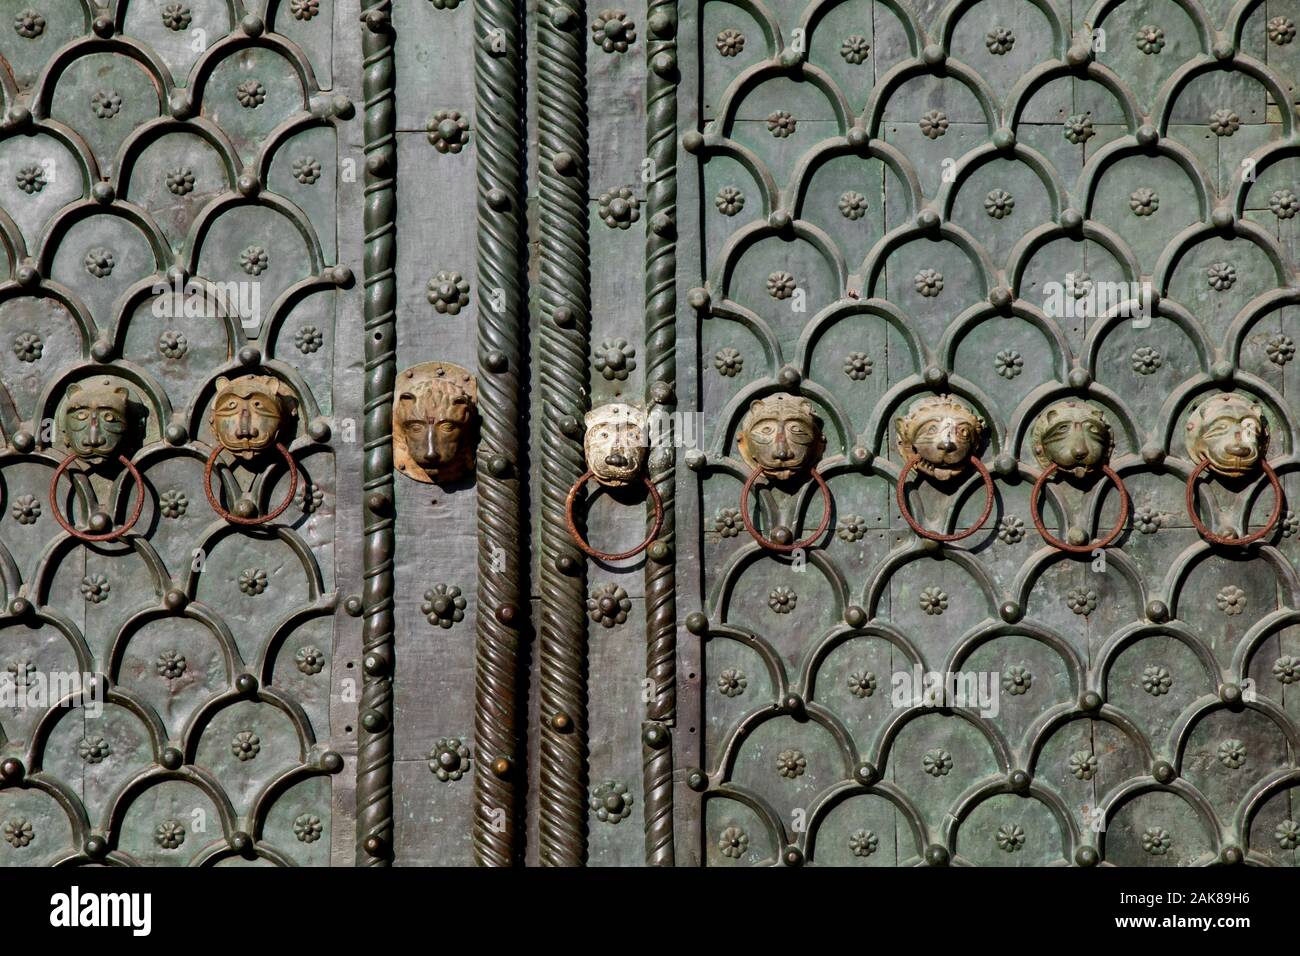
{"x": 565, "y": 302}
{"x": 375, "y": 733}
{"x": 502, "y": 324}
{"x": 661, "y": 359}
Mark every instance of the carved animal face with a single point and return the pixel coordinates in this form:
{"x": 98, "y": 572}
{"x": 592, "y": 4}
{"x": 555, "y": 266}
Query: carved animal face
{"x": 435, "y": 419}
{"x": 780, "y": 434}
{"x": 943, "y": 432}
{"x": 1228, "y": 430}
{"x": 615, "y": 443}
{"x": 1074, "y": 436}
{"x": 94, "y": 418}
{"x": 249, "y": 411}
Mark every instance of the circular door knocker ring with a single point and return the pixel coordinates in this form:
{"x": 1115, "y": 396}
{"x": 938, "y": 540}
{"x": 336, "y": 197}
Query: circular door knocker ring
{"x": 108, "y": 535}
{"x": 1078, "y": 548}
{"x": 935, "y": 535}
{"x": 605, "y": 555}
{"x": 798, "y": 545}
{"x": 270, "y": 516}
{"x": 1254, "y": 536}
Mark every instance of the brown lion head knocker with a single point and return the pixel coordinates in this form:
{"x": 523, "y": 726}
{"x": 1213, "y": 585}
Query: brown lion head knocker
{"x": 941, "y": 437}
{"x": 615, "y": 445}
{"x": 435, "y": 422}
{"x": 780, "y": 438}
{"x": 249, "y": 413}
{"x": 1074, "y": 437}
{"x": 1228, "y": 435}
{"x": 95, "y": 424}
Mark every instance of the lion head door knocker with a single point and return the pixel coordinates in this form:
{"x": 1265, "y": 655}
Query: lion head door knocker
{"x": 435, "y": 422}
{"x": 248, "y": 415}
{"x": 615, "y": 447}
{"x": 780, "y": 438}
{"x": 1228, "y": 435}
{"x": 94, "y": 424}
{"x": 941, "y": 437}
{"x": 1074, "y": 437}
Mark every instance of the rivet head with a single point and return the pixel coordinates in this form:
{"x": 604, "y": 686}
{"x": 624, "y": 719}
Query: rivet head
{"x": 1079, "y": 378}
{"x": 496, "y": 361}
{"x": 1010, "y": 611}
{"x": 664, "y": 63}
{"x": 1000, "y": 297}
{"x": 661, "y": 224}
{"x": 507, "y": 613}
{"x": 793, "y": 703}
{"x": 936, "y": 378}
{"x": 498, "y": 199}
{"x": 248, "y": 185}
{"x": 1153, "y": 455}
{"x": 249, "y": 356}
{"x": 1163, "y": 771}
{"x": 376, "y": 20}
{"x": 342, "y": 106}
{"x": 240, "y": 841}
{"x": 23, "y": 441}
{"x": 103, "y": 26}
{"x": 1222, "y": 217}
{"x": 866, "y": 773}
{"x": 1231, "y": 855}
{"x": 563, "y": 17}
{"x": 498, "y": 466}
{"x": 176, "y": 434}
{"x": 1004, "y": 139}
{"x": 662, "y": 25}
{"x": 252, "y": 25}
{"x": 20, "y": 607}
{"x": 1222, "y": 371}
{"x": 697, "y": 780}
{"x": 102, "y": 193}
{"x": 319, "y": 429}
{"x": 928, "y": 219}
{"x": 19, "y": 116}
{"x": 1006, "y": 465}
{"x": 782, "y": 535}
{"x": 27, "y": 275}
{"x": 376, "y": 664}
{"x": 779, "y": 219}
{"x": 861, "y": 456}
{"x": 698, "y": 298}
{"x": 375, "y": 847}
{"x": 693, "y": 141}
{"x": 655, "y": 736}
{"x": 178, "y": 104}
{"x": 373, "y": 721}
{"x": 1223, "y": 49}
{"x": 791, "y": 58}
{"x": 563, "y": 162}
{"x": 696, "y": 622}
{"x": 246, "y": 684}
{"x": 1157, "y": 611}
{"x": 1018, "y": 781}
{"x": 659, "y": 552}
{"x": 562, "y": 317}
{"x": 566, "y": 565}
{"x": 1087, "y": 856}
{"x": 789, "y": 377}
{"x": 11, "y": 770}
{"x": 353, "y": 605}
{"x": 174, "y": 599}
{"x": 1230, "y": 694}
{"x": 854, "y": 616}
{"x": 171, "y": 758}
{"x": 1148, "y": 135}
{"x": 245, "y": 508}
{"x": 1072, "y": 219}
{"x": 1076, "y": 536}
{"x": 858, "y": 137}
{"x": 96, "y": 847}
{"x": 571, "y": 427}
{"x": 102, "y": 350}
{"x": 377, "y": 502}
{"x": 100, "y": 523}
{"x": 934, "y": 55}
{"x": 501, "y": 767}
{"x": 1090, "y": 701}
{"x": 562, "y": 722}
{"x": 1080, "y": 54}
{"x": 936, "y": 855}
{"x": 696, "y": 460}
{"x": 792, "y": 856}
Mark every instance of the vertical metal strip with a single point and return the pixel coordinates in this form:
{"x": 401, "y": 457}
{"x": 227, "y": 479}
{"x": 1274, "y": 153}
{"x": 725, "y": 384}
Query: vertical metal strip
{"x": 375, "y": 733}
{"x": 661, "y": 373}
{"x": 498, "y": 87}
{"x": 565, "y": 304}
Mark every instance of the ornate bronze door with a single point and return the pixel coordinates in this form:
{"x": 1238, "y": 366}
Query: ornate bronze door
{"x": 440, "y": 432}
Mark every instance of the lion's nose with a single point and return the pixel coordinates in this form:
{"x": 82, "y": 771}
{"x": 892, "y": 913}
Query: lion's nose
{"x": 616, "y": 460}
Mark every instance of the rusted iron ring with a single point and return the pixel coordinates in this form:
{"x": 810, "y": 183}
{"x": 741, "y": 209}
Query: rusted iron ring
{"x": 270, "y": 516}
{"x": 108, "y": 535}
{"x": 1106, "y": 470}
{"x": 772, "y": 545}
{"x": 605, "y": 555}
{"x": 1251, "y": 538}
{"x": 935, "y": 535}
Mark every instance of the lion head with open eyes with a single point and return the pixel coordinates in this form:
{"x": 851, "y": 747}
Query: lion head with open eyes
{"x": 250, "y": 411}
{"x": 942, "y": 433}
{"x": 1072, "y": 435}
{"x": 1228, "y": 430}
{"x": 781, "y": 435}
{"x": 95, "y": 418}
{"x": 435, "y": 422}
